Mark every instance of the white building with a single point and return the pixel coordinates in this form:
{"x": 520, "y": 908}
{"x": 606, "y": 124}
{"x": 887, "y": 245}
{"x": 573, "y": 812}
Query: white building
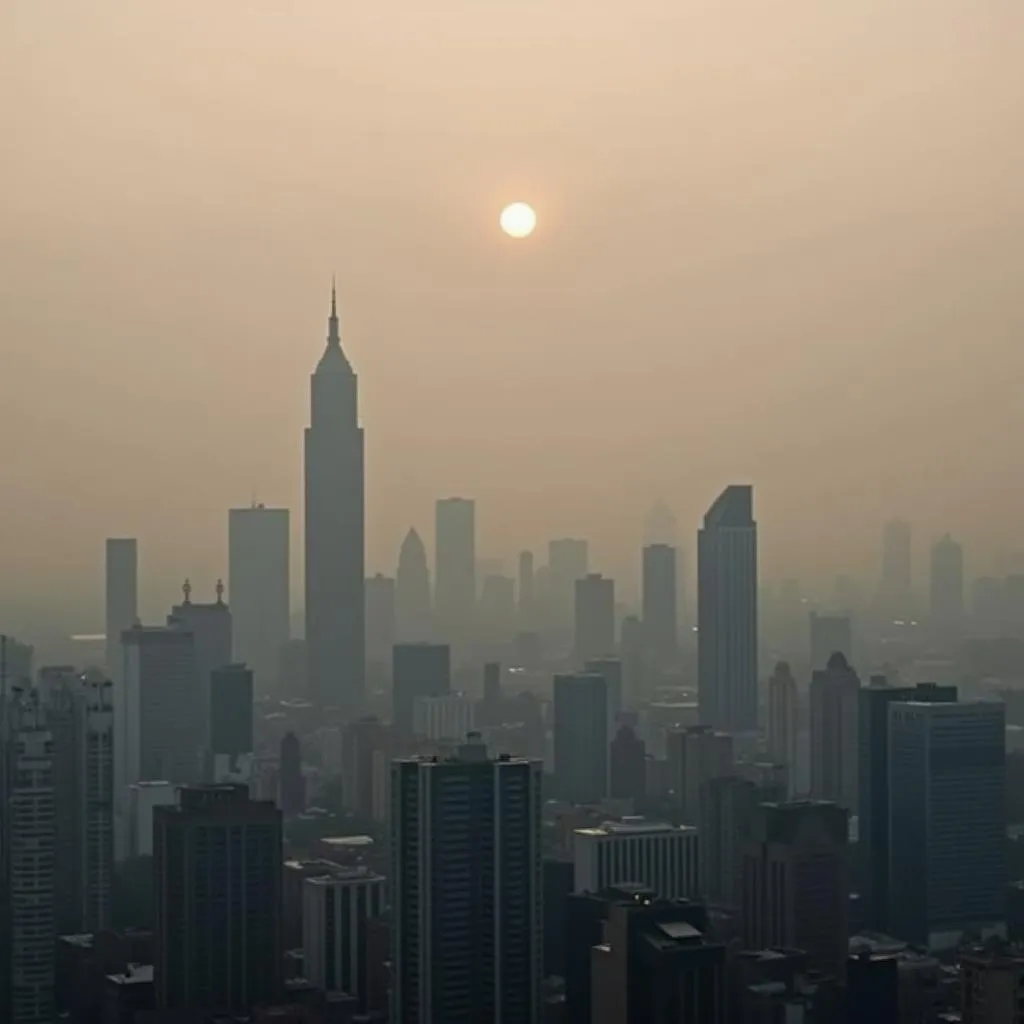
{"x": 335, "y": 912}
{"x": 633, "y": 849}
{"x": 448, "y": 717}
{"x": 143, "y": 797}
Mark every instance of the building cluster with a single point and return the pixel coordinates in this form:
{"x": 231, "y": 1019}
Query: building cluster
{"x": 467, "y": 796}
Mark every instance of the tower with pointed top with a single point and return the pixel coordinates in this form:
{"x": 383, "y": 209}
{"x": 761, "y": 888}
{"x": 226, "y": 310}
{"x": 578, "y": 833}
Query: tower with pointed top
{"x": 335, "y": 531}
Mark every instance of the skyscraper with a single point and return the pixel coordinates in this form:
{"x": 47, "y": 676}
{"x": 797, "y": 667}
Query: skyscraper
{"x": 727, "y": 612}
{"x": 660, "y": 614}
{"x": 594, "y": 634}
{"x": 835, "y": 694}
{"x": 413, "y": 621}
{"x": 873, "y": 781}
{"x": 581, "y": 737}
{"x": 418, "y": 670}
{"x": 568, "y": 561}
{"x": 896, "y": 569}
{"x": 380, "y": 621}
{"x": 525, "y": 596}
{"x": 259, "y": 589}
{"x": 335, "y": 511}
{"x": 217, "y": 868}
{"x": 455, "y": 569}
{"x": 466, "y": 920}
{"x": 947, "y": 815}
{"x": 122, "y": 597}
{"x": 946, "y": 587}
{"x": 829, "y": 634}
{"x": 291, "y": 781}
{"x": 231, "y": 722}
{"x": 782, "y": 718}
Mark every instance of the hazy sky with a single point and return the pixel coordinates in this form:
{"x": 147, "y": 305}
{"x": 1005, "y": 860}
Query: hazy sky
{"x": 779, "y": 241}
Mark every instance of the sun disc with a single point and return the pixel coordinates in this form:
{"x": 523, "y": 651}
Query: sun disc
{"x": 518, "y": 220}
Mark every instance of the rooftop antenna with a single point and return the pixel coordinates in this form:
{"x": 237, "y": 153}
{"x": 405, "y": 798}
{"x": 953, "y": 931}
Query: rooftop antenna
{"x": 186, "y": 589}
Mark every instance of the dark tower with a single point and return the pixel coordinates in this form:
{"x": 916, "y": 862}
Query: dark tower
{"x": 290, "y": 780}
{"x": 335, "y": 607}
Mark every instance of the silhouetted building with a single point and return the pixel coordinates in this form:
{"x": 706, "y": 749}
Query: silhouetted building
{"x": 418, "y": 670}
{"x": 218, "y": 873}
{"x": 568, "y": 561}
{"x": 834, "y": 753}
{"x": 946, "y": 588}
{"x": 335, "y": 531}
{"x": 947, "y": 838}
{"x": 830, "y": 634}
{"x": 658, "y": 964}
{"x": 525, "y": 596}
{"x": 362, "y": 743}
{"x": 581, "y": 737}
{"x": 380, "y": 621}
{"x": 450, "y": 716}
{"x": 631, "y": 649}
{"x": 991, "y": 983}
{"x": 795, "y": 890}
{"x": 455, "y": 569}
{"x": 660, "y": 606}
{"x": 594, "y": 633}
{"x": 872, "y": 988}
{"x": 467, "y": 919}
{"x": 558, "y": 887}
{"x": 782, "y": 718}
{"x": 873, "y": 782}
{"x": 627, "y": 766}
{"x": 231, "y": 725}
{"x": 413, "y": 616}
{"x": 896, "y": 569}
{"x": 122, "y": 598}
{"x": 727, "y": 612}
{"x": 290, "y": 779}
{"x": 697, "y": 755}
{"x": 259, "y": 588}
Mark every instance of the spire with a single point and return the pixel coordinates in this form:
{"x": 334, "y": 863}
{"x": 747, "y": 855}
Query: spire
{"x": 333, "y": 334}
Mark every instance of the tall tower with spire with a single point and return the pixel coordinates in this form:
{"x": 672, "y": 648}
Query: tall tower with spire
{"x": 335, "y": 531}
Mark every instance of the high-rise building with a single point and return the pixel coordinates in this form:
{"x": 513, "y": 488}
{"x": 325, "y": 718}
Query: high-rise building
{"x": 782, "y": 718}
{"x": 830, "y": 634}
{"x": 873, "y": 782}
{"x": 835, "y": 696}
{"x": 696, "y": 755}
{"x": 581, "y": 737}
{"x": 946, "y": 587}
{"x": 467, "y": 920}
{"x": 658, "y": 964}
{"x": 661, "y": 856}
{"x": 337, "y": 910}
{"x": 455, "y": 569}
{"x": 380, "y": 621}
{"x": 122, "y": 598}
{"x": 525, "y": 594}
{"x": 446, "y": 717}
{"x": 568, "y": 561}
{"x": 947, "y": 821}
{"x": 594, "y": 617}
{"x": 795, "y": 887}
{"x": 611, "y": 669}
{"x": 627, "y": 766}
{"x": 231, "y": 720}
{"x": 27, "y": 863}
{"x": 143, "y": 799}
{"x": 361, "y": 741}
{"x": 335, "y": 531}
{"x": 418, "y": 670}
{"x": 897, "y": 583}
{"x": 413, "y": 616}
{"x": 631, "y": 648}
{"x": 991, "y": 983}
{"x": 290, "y": 778}
{"x": 158, "y": 716}
{"x": 259, "y": 589}
{"x": 727, "y": 612}
{"x": 497, "y": 612}
{"x": 660, "y": 614}
{"x": 217, "y": 868}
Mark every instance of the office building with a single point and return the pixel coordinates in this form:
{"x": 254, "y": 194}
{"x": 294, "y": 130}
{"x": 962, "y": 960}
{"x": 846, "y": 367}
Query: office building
{"x": 335, "y": 532}
{"x": 337, "y": 910}
{"x": 611, "y": 670}
{"x": 143, "y": 799}
{"x": 28, "y": 861}
{"x": 873, "y": 782}
{"x": 568, "y": 561}
{"x": 947, "y": 831}
{"x": 418, "y": 670}
{"x": 361, "y": 741}
{"x": 835, "y": 695}
{"x": 631, "y": 648}
{"x": 946, "y": 588}
{"x": 697, "y": 755}
{"x": 795, "y": 887}
{"x": 413, "y": 615}
{"x": 660, "y": 606}
{"x": 627, "y": 766}
{"x": 830, "y": 634}
{"x": 380, "y": 621}
{"x": 122, "y": 598}
{"x": 217, "y": 868}
{"x": 525, "y": 592}
{"x": 594, "y": 617}
{"x": 497, "y": 612}
{"x": 581, "y": 737}
{"x": 466, "y": 921}
{"x": 231, "y": 714}
{"x": 259, "y": 589}
{"x": 455, "y": 569}
{"x": 291, "y": 780}
{"x": 727, "y": 612}
{"x": 447, "y": 717}
{"x": 158, "y": 716}
{"x": 782, "y": 718}
{"x": 658, "y": 964}
{"x": 658, "y": 855}
{"x": 896, "y": 569}
{"x": 991, "y": 984}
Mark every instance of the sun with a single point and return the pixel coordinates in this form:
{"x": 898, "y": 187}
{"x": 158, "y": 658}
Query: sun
{"x": 518, "y": 220}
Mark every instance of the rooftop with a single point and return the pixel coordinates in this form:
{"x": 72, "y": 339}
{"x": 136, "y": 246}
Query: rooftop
{"x": 633, "y": 825}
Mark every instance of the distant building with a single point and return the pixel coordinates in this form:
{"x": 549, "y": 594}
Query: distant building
{"x": 291, "y": 780}
{"x": 418, "y": 670}
{"x": 448, "y": 717}
{"x": 361, "y": 743}
{"x": 696, "y": 755}
{"x": 627, "y": 766}
{"x": 526, "y": 599}
{"x": 122, "y": 598}
{"x": 782, "y": 718}
{"x": 455, "y": 590}
{"x": 727, "y": 612}
{"x": 568, "y": 561}
{"x": 466, "y": 921}
{"x": 946, "y": 587}
{"x": 594, "y": 617}
{"x": 896, "y": 569}
{"x": 413, "y": 615}
{"x": 581, "y": 737}
{"x": 660, "y": 604}
{"x": 632, "y": 647}
{"x": 835, "y": 694}
{"x": 830, "y": 634}
{"x": 381, "y": 601}
{"x": 259, "y": 588}
{"x": 231, "y": 719}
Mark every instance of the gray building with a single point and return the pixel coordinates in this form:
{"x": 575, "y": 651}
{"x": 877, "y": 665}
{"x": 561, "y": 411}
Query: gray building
{"x": 380, "y": 621}
{"x": 946, "y": 587}
{"x": 455, "y": 569}
{"x": 417, "y": 670}
{"x": 413, "y": 615}
{"x": 660, "y": 604}
{"x": 335, "y": 532}
{"x": 830, "y": 634}
{"x": 568, "y": 561}
{"x": 581, "y": 737}
{"x": 122, "y": 597}
{"x": 947, "y": 821}
{"x": 466, "y": 889}
{"x": 594, "y": 617}
{"x": 727, "y": 612}
{"x": 835, "y": 692}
